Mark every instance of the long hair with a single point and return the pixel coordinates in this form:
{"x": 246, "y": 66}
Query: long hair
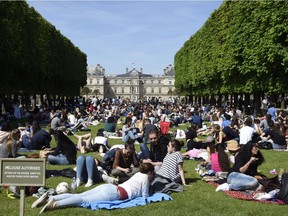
{"x": 223, "y": 157}
{"x": 128, "y": 119}
{"x": 35, "y": 127}
{"x": 277, "y": 129}
{"x": 247, "y": 153}
{"x": 12, "y": 140}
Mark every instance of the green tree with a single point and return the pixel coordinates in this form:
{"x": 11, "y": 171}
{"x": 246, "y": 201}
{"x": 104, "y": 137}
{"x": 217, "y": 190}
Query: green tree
{"x": 85, "y": 91}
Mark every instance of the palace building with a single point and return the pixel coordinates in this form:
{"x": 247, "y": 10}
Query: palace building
{"x": 133, "y": 84}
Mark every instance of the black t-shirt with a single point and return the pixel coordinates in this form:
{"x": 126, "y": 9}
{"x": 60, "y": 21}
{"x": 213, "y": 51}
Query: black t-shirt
{"x": 230, "y": 133}
{"x": 240, "y": 161}
{"x": 276, "y": 137}
{"x": 159, "y": 151}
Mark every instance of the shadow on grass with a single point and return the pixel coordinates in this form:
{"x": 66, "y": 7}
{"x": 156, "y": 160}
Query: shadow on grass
{"x": 192, "y": 180}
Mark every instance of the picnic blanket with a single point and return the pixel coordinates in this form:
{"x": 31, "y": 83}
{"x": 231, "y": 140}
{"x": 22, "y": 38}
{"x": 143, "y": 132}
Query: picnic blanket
{"x": 128, "y": 203}
{"x": 246, "y": 195}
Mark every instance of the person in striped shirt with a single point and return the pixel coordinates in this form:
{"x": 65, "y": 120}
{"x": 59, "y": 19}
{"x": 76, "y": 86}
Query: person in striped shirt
{"x": 172, "y": 166}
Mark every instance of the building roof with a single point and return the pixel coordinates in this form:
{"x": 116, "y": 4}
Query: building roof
{"x": 134, "y": 72}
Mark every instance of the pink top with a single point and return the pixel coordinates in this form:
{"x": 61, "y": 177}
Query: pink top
{"x": 215, "y": 163}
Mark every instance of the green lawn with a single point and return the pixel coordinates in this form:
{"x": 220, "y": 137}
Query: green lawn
{"x": 199, "y": 198}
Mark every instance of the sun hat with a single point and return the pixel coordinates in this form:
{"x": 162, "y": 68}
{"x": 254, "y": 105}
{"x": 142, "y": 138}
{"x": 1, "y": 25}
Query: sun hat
{"x": 232, "y": 145}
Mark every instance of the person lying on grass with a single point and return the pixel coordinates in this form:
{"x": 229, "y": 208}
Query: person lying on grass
{"x": 137, "y": 186}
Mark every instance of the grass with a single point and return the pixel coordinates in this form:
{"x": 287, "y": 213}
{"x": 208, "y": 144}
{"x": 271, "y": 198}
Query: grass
{"x": 199, "y": 198}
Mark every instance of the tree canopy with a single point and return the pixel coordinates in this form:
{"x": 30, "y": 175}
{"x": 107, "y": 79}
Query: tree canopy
{"x": 35, "y": 57}
{"x": 241, "y": 48}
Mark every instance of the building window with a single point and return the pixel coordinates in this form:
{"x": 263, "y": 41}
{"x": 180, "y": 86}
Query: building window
{"x": 98, "y": 81}
{"x": 122, "y": 90}
{"x": 115, "y": 90}
{"x": 159, "y": 90}
{"x": 152, "y": 90}
{"x": 170, "y": 82}
{"x": 152, "y": 81}
{"x": 159, "y": 81}
{"x": 90, "y": 81}
{"x": 122, "y": 81}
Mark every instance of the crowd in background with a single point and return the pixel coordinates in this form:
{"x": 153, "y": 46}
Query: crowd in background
{"x": 211, "y": 133}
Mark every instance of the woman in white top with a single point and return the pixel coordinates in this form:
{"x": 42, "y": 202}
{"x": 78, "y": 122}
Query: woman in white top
{"x": 136, "y": 186}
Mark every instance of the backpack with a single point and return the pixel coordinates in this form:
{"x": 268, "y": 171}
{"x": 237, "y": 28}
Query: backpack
{"x": 283, "y": 193}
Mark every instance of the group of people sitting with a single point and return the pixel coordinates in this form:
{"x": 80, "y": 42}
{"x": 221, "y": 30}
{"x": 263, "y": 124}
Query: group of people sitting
{"x": 230, "y": 142}
{"x": 159, "y": 163}
{"x": 129, "y": 174}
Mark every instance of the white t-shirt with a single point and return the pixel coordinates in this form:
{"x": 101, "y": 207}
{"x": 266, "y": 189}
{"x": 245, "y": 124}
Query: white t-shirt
{"x": 246, "y": 134}
{"x": 72, "y": 119}
{"x": 100, "y": 140}
{"x": 137, "y": 185}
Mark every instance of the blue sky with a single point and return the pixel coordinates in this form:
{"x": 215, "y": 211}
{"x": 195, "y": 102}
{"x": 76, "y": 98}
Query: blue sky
{"x": 116, "y": 34}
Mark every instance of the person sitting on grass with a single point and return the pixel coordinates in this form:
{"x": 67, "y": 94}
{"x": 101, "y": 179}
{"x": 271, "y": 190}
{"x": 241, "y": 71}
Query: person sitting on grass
{"x": 65, "y": 151}
{"x": 193, "y": 142}
{"x": 38, "y": 139}
{"x": 9, "y": 147}
{"x": 172, "y": 166}
{"x": 244, "y": 174}
{"x": 137, "y": 186}
{"x": 130, "y": 131}
{"x": 123, "y": 161}
{"x": 158, "y": 149}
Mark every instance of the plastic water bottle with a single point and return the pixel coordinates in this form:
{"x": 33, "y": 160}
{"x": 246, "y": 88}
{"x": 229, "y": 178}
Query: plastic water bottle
{"x": 73, "y": 184}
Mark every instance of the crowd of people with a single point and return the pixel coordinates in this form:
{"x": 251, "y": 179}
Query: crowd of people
{"x": 218, "y": 137}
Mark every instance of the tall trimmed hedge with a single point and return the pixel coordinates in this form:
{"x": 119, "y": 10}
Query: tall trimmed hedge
{"x": 35, "y": 58}
{"x": 242, "y": 48}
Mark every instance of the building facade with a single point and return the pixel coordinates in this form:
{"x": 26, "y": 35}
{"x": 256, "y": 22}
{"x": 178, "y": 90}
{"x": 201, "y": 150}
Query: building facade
{"x": 133, "y": 84}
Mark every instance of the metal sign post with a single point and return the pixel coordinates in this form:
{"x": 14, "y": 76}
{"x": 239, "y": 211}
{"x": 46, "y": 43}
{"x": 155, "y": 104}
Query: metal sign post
{"x": 22, "y": 172}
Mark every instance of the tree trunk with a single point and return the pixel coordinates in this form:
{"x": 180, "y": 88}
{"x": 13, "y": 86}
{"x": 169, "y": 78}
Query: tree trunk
{"x": 257, "y": 103}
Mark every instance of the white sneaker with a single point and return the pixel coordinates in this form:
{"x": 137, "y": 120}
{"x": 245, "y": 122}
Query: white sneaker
{"x": 48, "y": 206}
{"x": 40, "y": 201}
{"x": 109, "y": 179}
{"x": 78, "y": 182}
{"x": 89, "y": 183}
{"x": 223, "y": 187}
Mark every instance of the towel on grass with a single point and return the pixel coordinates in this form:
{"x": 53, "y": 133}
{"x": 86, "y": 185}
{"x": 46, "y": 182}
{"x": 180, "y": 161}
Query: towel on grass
{"x": 246, "y": 195}
{"x": 128, "y": 203}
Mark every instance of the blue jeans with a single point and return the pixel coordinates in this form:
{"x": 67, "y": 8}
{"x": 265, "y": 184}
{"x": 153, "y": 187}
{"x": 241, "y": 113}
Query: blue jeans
{"x": 277, "y": 146}
{"x": 57, "y": 160}
{"x": 87, "y": 169}
{"x": 132, "y": 134}
{"x": 145, "y": 153}
{"x": 26, "y": 140}
{"x": 239, "y": 181}
{"x": 104, "y": 192}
